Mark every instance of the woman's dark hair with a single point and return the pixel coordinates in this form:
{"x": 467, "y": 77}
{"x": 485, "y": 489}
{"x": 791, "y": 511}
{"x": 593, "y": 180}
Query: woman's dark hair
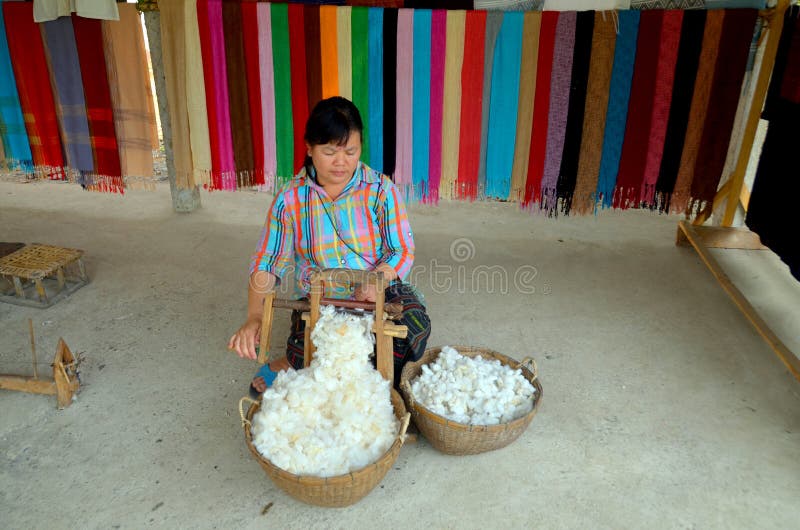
{"x": 332, "y": 121}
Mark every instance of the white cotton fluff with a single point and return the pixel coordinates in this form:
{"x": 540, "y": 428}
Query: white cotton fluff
{"x": 473, "y": 390}
{"x": 335, "y": 416}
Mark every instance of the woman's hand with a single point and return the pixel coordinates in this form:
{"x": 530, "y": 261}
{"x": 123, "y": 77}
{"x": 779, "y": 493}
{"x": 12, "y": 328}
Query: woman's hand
{"x": 365, "y": 293}
{"x": 244, "y": 341}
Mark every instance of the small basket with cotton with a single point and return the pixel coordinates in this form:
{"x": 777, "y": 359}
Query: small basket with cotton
{"x": 464, "y": 394}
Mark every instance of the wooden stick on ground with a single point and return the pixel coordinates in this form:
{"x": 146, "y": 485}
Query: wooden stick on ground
{"x": 33, "y": 350}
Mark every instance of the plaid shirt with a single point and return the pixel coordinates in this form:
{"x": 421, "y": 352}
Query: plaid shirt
{"x": 299, "y": 233}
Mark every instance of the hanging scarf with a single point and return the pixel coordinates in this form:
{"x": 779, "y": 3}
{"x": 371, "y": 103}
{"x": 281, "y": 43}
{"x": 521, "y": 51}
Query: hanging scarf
{"x": 328, "y": 51}
{"x": 469, "y": 146}
{"x": 17, "y": 150}
{"x": 559, "y": 106}
{"x": 737, "y": 32}
{"x": 267, "y": 85}
{"x": 284, "y": 130}
{"x": 438, "y": 44}
{"x": 389, "y": 90}
{"x": 253, "y": 78}
{"x": 697, "y": 112}
{"x": 423, "y": 19}
{"x": 405, "y": 98}
{"x": 691, "y": 43}
{"x": 195, "y": 91}
{"x": 527, "y": 87}
{"x": 297, "y": 58}
{"x": 541, "y": 108}
{"x": 568, "y": 174}
{"x": 594, "y": 121}
{"x": 494, "y": 21}
{"x": 618, "y": 99}
{"x": 33, "y": 85}
{"x": 344, "y": 52}
{"x": 212, "y": 41}
{"x": 375, "y": 36}
{"x": 503, "y": 106}
{"x": 360, "y": 47}
{"x": 637, "y": 129}
{"x": 313, "y": 54}
{"x": 173, "y": 46}
{"x": 451, "y": 125}
{"x": 665, "y": 77}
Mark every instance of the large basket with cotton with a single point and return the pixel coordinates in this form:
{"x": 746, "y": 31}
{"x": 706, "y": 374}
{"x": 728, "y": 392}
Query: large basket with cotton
{"x": 336, "y": 491}
{"x": 455, "y": 438}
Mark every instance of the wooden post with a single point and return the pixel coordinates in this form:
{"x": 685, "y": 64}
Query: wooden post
{"x": 33, "y": 350}
{"x": 315, "y": 297}
{"x": 65, "y": 385}
{"x": 266, "y": 328}
{"x": 183, "y": 200}
{"x": 774, "y": 28}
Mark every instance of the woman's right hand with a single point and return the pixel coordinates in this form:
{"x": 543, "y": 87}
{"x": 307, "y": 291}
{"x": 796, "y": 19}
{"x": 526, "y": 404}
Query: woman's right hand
{"x": 244, "y": 341}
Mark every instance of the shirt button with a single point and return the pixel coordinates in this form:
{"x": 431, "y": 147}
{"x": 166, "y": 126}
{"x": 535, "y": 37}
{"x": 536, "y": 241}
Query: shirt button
{"x": 342, "y": 262}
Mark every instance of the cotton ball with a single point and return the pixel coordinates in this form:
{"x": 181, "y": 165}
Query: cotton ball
{"x": 472, "y": 390}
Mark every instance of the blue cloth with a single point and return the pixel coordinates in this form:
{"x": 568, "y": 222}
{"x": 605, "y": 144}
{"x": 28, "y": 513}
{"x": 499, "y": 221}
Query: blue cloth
{"x": 376, "y": 87}
{"x": 503, "y": 104}
{"x": 421, "y": 116}
{"x": 618, "y": 97}
{"x": 266, "y": 372}
{"x": 12, "y": 125}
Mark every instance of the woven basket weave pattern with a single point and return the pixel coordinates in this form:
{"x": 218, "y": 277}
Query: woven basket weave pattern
{"x": 455, "y": 438}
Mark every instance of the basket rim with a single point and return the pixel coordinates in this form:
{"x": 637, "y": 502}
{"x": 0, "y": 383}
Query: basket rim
{"x": 313, "y": 480}
{"x": 469, "y": 351}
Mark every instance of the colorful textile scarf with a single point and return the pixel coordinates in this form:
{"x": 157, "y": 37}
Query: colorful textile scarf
{"x": 451, "y": 124}
{"x": 212, "y": 41}
{"x": 568, "y": 175}
{"x": 527, "y": 89}
{"x": 33, "y": 85}
{"x": 637, "y": 129}
{"x": 173, "y": 45}
{"x": 438, "y": 44}
{"x": 253, "y": 80}
{"x": 597, "y": 91}
{"x": 313, "y": 54}
{"x": 17, "y": 150}
{"x": 267, "y": 85}
{"x": 328, "y": 51}
{"x": 375, "y": 36}
{"x": 559, "y": 106}
{"x": 65, "y": 69}
{"x": 195, "y": 91}
{"x": 297, "y": 58}
{"x": 284, "y": 129}
{"x": 504, "y": 100}
{"x": 618, "y": 99}
{"x": 423, "y": 19}
{"x": 405, "y": 98}
{"x": 541, "y": 108}
{"x": 665, "y": 77}
{"x": 697, "y": 111}
{"x": 494, "y": 22}
{"x": 737, "y": 30}
{"x": 344, "y": 53}
{"x": 389, "y": 90}
{"x": 360, "y": 47}
{"x": 472, "y": 83}
{"x": 691, "y": 43}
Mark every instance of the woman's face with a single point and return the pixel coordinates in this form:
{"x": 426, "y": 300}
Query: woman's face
{"x": 335, "y": 164}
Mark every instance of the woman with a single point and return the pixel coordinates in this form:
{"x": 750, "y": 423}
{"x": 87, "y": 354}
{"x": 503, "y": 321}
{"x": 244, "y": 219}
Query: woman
{"x": 336, "y": 213}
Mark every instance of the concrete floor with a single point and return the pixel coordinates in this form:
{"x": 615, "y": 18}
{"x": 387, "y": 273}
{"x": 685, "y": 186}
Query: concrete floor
{"x": 662, "y": 407}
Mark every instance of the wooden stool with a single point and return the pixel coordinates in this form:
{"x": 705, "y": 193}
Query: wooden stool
{"x": 37, "y": 263}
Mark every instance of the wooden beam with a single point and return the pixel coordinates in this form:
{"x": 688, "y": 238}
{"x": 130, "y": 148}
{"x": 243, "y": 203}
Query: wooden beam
{"x": 724, "y": 237}
{"x": 774, "y": 27}
{"x": 23, "y": 383}
{"x": 690, "y": 234}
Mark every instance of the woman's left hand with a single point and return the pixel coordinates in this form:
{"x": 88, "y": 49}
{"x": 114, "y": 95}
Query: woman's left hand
{"x": 365, "y": 293}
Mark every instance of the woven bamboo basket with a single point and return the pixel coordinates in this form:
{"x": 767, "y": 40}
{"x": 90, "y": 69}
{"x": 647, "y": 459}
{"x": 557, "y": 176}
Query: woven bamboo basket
{"x": 456, "y": 438}
{"x": 338, "y": 491}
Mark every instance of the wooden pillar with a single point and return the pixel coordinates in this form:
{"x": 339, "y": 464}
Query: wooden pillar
{"x": 183, "y": 200}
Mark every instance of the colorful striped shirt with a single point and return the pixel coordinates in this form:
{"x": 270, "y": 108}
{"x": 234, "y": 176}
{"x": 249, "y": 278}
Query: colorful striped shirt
{"x": 305, "y": 230}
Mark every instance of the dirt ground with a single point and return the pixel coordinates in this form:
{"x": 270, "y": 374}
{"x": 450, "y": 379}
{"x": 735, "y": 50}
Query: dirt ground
{"x": 662, "y": 407}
